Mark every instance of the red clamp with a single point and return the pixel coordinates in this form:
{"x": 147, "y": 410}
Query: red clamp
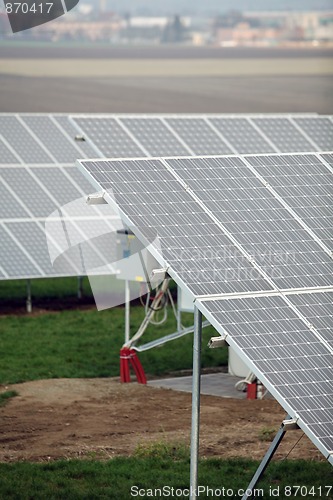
{"x": 128, "y": 356}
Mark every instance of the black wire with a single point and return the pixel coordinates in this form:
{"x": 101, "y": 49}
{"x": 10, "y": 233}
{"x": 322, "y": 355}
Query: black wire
{"x": 292, "y": 448}
{"x": 163, "y": 303}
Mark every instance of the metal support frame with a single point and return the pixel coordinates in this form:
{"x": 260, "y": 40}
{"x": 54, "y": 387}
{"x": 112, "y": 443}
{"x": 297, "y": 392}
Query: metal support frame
{"x": 79, "y": 287}
{"x": 179, "y": 319}
{"x": 196, "y": 381}
{"x": 29, "y": 299}
{"x": 266, "y": 460}
{"x": 127, "y": 311}
{"x": 167, "y": 338}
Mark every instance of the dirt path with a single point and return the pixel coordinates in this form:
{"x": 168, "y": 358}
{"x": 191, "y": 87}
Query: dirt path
{"x": 71, "y": 418}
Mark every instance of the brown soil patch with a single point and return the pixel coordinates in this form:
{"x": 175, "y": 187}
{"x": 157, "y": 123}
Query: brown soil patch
{"x": 101, "y": 418}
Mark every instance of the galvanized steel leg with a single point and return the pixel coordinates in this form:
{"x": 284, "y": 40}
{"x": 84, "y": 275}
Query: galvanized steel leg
{"x": 195, "y": 402}
{"x": 127, "y": 311}
{"x": 79, "y": 287}
{"x": 29, "y": 300}
{"x": 265, "y": 461}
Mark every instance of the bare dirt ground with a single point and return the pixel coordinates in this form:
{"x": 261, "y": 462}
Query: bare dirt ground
{"x": 101, "y": 418}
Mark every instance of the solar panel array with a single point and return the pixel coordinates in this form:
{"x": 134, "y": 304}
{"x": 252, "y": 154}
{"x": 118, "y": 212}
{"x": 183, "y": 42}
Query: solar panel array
{"x": 43, "y": 210}
{"x": 237, "y": 233}
{"x": 127, "y": 136}
{"x": 38, "y": 151}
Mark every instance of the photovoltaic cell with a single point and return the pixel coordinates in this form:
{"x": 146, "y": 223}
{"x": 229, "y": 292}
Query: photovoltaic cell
{"x": 52, "y": 138}
{"x": 317, "y": 308}
{"x": 155, "y": 137}
{"x": 168, "y": 217}
{"x": 257, "y": 220}
{"x": 72, "y": 132}
{"x": 32, "y": 238}
{"x": 328, "y": 158}
{"x": 22, "y": 141}
{"x": 9, "y": 207}
{"x": 319, "y": 129}
{"x": 199, "y": 136}
{"x": 6, "y": 156}
{"x": 53, "y": 176}
{"x": 283, "y": 134}
{"x": 242, "y": 135}
{"x": 287, "y": 356}
{"x": 306, "y": 185}
{"x": 79, "y": 179}
{"x": 29, "y": 192}
{"x": 13, "y": 259}
{"x": 109, "y": 137}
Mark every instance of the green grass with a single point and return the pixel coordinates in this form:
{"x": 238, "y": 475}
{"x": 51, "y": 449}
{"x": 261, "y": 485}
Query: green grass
{"x": 6, "y": 396}
{"x": 78, "y": 343}
{"x": 113, "y": 479}
{"x": 47, "y": 289}
{"x": 176, "y": 450}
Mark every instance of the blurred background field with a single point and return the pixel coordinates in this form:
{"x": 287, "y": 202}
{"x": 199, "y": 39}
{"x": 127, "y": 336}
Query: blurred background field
{"x": 91, "y": 79}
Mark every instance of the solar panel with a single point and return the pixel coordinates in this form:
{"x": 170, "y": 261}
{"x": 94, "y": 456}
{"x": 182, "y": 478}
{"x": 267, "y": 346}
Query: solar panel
{"x": 90, "y": 244}
{"x": 290, "y": 359}
{"x": 56, "y": 142}
{"x": 306, "y": 185}
{"x": 6, "y": 155}
{"x": 242, "y": 135}
{"x": 54, "y": 176}
{"x": 319, "y": 129}
{"x": 34, "y": 185}
{"x": 108, "y": 137}
{"x": 155, "y": 137}
{"x": 252, "y": 215}
{"x": 283, "y": 134}
{"x": 19, "y": 138}
{"x": 328, "y": 159}
{"x": 28, "y": 191}
{"x": 48, "y": 142}
{"x": 199, "y": 136}
{"x": 10, "y": 208}
{"x": 317, "y": 308}
{"x": 81, "y": 182}
{"x": 14, "y": 260}
{"x": 27, "y": 233}
{"x": 285, "y": 339}
{"x": 168, "y": 218}
{"x": 67, "y": 126}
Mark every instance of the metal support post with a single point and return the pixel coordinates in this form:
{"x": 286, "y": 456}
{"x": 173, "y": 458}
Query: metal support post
{"x": 127, "y": 311}
{"x": 179, "y": 312}
{"x": 196, "y": 379}
{"x": 79, "y": 287}
{"x": 29, "y": 300}
{"x": 265, "y": 461}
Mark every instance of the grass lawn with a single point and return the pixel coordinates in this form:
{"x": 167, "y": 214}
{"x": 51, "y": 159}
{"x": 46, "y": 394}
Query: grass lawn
{"x": 86, "y": 343}
{"x": 48, "y": 288}
{"x": 90, "y": 479}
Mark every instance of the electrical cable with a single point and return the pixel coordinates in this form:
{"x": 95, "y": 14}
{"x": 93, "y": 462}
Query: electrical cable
{"x": 292, "y": 448}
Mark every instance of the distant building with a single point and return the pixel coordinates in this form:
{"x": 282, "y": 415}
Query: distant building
{"x": 273, "y": 28}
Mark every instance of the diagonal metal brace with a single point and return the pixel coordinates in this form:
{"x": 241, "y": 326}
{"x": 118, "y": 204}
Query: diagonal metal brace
{"x": 267, "y": 458}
